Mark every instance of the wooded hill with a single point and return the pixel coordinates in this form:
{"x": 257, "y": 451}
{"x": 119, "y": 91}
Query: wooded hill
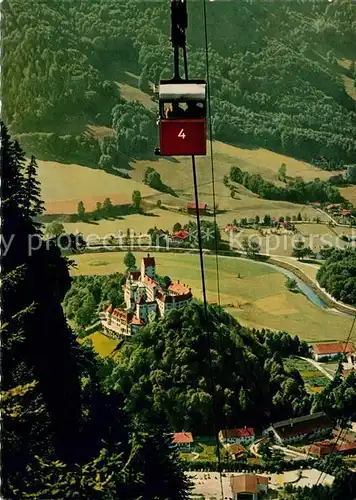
{"x": 166, "y": 367}
{"x": 275, "y": 77}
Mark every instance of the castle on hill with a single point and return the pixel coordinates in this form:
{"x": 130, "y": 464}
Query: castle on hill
{"x": 145, "y": 300}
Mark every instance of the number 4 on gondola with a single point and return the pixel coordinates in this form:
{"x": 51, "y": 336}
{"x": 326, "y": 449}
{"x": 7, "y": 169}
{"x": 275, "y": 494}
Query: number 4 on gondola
{"x": 182, "y": 117}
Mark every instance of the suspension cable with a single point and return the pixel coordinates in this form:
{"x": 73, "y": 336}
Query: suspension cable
{"x": 211, "y": 150}
{"x": 343, "y": 427}
{"x": 212, "y": 169}
{"x": 213, "y": 394}
{"x": 206, "y": 312}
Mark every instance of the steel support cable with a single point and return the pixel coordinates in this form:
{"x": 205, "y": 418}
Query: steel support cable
{"x": 211, "y": 148}
{"x": 207, "y": 325}
{"x": 344, "y": 426}
{"x": 212, "y": 165}
{"x": 206, "y": 312}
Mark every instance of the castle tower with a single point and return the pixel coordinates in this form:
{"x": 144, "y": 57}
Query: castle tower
{"x": 148, "y": 266}
{"x": 141, "y": 309}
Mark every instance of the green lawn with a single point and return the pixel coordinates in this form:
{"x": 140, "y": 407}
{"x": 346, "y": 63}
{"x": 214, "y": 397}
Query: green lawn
{"x": 206, "y": 447}
{"x": 258, "y": 298}
{"x": 314, "y": 379}
{"x": 101, "y": 344}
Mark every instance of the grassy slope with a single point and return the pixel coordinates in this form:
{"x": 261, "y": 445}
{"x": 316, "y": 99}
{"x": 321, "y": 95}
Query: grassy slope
{"x": 101, "y": 344}
{"x": 259, "y": 297}
{"x": 64, "y": 186}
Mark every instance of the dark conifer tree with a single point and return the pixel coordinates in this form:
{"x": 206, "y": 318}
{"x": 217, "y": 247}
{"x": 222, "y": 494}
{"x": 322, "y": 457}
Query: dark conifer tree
{"x": 63, "y": 434}
{"x": 33, "y": 204}
{"x": 36, "y": 276}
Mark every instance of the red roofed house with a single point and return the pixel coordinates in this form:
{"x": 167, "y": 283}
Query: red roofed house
{"x": 191, "y": 208}
{"x": 322, "y": 351}
{"x": 183, "y": 440}
{"x": 346, "y": 213}
{"x": 321, "y": 448}
{"x": 245, "y": 435}
{"x": 296, "y": 429}
{"x": 181, "y": 235}
{"x": 248, "y": 486}
{"x": 327, "y": 447}
{"x": 230, "y": 228}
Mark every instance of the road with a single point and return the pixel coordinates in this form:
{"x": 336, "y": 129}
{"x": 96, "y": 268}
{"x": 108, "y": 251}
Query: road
{"x": 319, "y": 367}
{"x": 291, "y": 454}
{"x": 333, "y": 220}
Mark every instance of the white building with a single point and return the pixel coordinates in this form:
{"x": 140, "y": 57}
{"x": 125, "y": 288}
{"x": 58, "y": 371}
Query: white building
{"x": 245, "y": 435}
{"x": 145, "y": 299}
{"x": 323, "y": 351}
{"x": 311, "y": 426}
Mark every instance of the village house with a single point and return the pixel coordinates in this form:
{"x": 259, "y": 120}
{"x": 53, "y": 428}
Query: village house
{"x": 236, "y": 450}
{"x": 245, "y": 435}
{"x": 296, "y": 429}
{"x": 192, "y": 208}
{"x": 322, "y": 351}
{"x": 145, "y": 299}
{"x": 248, "y": 486}
{"x": 323, "y": 448}
{"x": 183, "y": 440}
{"x": 180, "y": 235}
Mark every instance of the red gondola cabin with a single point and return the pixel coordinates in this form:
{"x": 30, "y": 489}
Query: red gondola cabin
{"x": 182, "y": 117}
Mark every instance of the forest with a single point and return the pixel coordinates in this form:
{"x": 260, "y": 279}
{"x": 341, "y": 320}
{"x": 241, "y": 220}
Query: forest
{"x": 296, "y": 190}
{"x": 76, "y": 425}
{"x": 166, "y": 366}
{"x": 64, "y": 435}
{"x": 338, "y": 274}
{"x": 278, "y": 84}
{"x": 89, "y": 294}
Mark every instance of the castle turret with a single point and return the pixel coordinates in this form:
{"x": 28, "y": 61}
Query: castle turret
{"x": 148, "y": 267}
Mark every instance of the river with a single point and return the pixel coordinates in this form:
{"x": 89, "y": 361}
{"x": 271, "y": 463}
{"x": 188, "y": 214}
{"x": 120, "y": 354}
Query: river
{"x": 303, "y": 288}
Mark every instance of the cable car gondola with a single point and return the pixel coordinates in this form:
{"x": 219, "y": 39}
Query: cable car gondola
{"x": 182, "y": 117}
{"x": 182, "y": 103}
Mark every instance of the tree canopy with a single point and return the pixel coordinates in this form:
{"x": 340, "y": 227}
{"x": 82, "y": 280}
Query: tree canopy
{"x": 166, "y": 365}
{"x": 278, "y": 84}
{"x": 338, "y": 274}
{"x": 64, "y": 435}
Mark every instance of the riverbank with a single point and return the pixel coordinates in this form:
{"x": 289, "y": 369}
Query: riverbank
{"x": 328, "y": 300}
{"x": 254, "y": 292}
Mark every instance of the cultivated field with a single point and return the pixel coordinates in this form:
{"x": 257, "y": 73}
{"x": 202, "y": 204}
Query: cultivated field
{"x": 258, "y": 298}
{"x": 315, "y": 380}
{"x": 64, "y": 186}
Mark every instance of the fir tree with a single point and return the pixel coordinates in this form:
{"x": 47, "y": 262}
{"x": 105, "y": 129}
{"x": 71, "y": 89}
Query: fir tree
{"x": 33, "y": 204}
{"x": 63, "y": 435}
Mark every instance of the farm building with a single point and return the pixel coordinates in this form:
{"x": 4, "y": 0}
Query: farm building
{"x": 296, "y": 429}
{"x": 244, "y": 435}
{"x": 183, "y": 440}
{"x": 237, "y": 450}
{"x": 192, "y": 208}
{"x": 322, "y": 351}
{"x": 321, "y": 448}
{"x": 248, "y": 486}
{"x": 324, "y": 448}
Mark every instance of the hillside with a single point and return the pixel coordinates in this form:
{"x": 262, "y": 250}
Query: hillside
{"x": 278, "y": 84}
